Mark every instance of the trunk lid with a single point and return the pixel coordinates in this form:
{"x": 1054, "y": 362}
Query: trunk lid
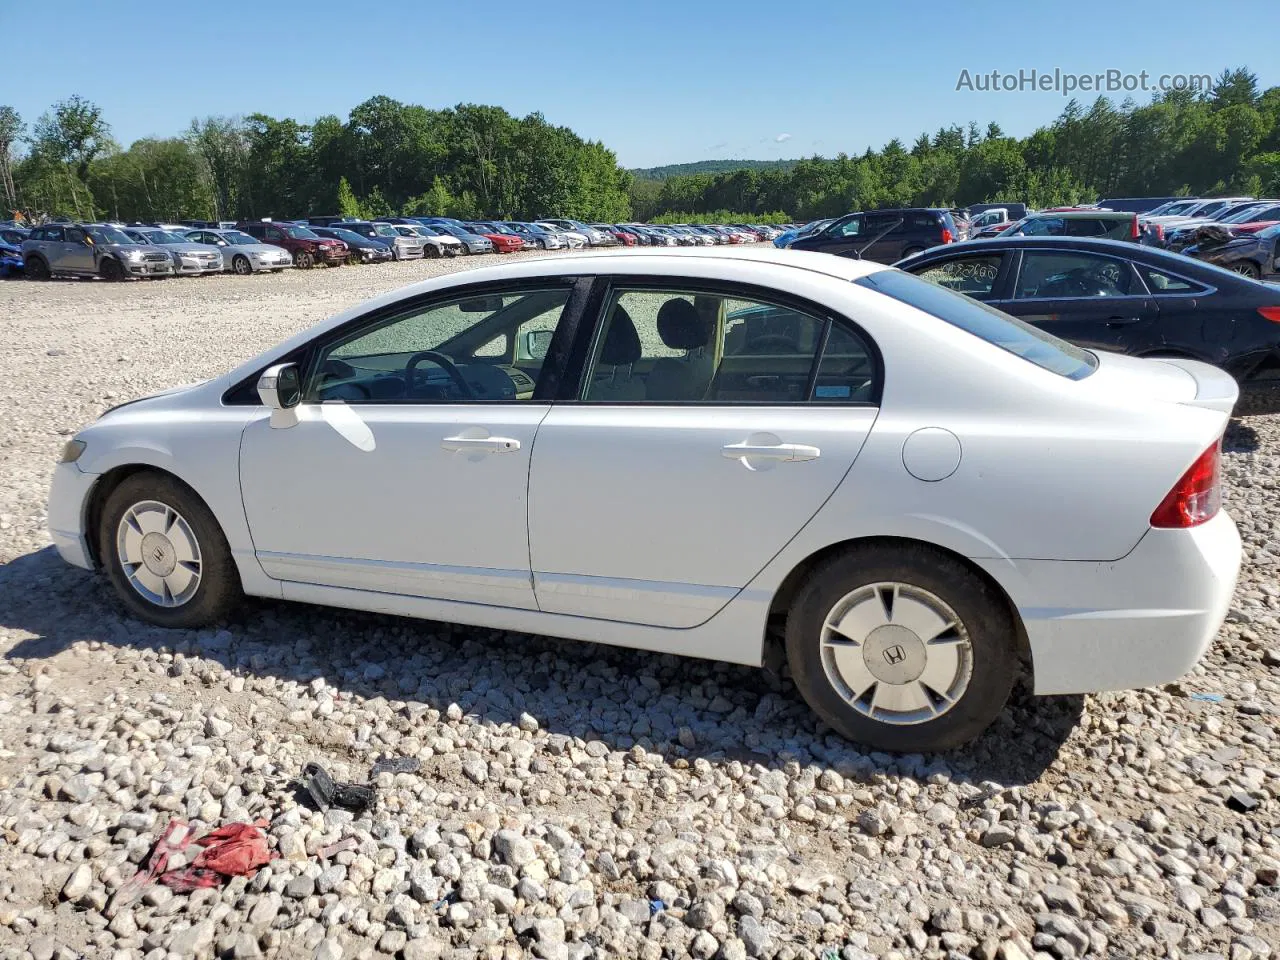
{"x": 1171, "y": 379}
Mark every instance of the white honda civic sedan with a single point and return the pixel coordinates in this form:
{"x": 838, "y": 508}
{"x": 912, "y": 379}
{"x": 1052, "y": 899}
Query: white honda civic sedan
{"x": 683, "y": 452}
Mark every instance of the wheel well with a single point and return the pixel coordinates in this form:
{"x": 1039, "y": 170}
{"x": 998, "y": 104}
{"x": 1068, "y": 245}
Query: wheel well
{"x": 102, "y": 489}
{"x": 791, "y": 584}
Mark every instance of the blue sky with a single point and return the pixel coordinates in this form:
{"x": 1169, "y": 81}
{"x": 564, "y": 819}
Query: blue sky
{"x": 657, "y": 81}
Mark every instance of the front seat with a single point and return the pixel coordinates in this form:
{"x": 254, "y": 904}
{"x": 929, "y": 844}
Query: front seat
{"x": 621, "y": 349}
{"x": 675, "y": 379}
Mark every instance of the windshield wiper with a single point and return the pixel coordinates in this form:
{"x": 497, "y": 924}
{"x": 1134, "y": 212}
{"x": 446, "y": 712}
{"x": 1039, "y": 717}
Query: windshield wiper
{"x": 857, "y": 255}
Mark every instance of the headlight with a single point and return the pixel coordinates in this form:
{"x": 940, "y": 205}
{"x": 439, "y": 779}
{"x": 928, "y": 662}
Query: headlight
{"x": 71, "y": 451}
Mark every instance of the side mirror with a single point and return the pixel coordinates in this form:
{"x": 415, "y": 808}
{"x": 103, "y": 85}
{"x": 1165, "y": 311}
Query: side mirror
{"x": 535, "y": 344}
{"x": 87, "y": 241}
{"x": 280, "y": 389}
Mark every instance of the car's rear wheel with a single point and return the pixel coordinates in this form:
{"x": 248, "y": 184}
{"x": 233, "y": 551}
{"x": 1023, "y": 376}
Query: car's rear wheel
{"x": 902, "y": 648}
{"x": 36, "y": 268}
{"x": 912, "y": 251}
{"x": 1247, "y": 268}
{"x": 111, "y": 270}
{"x": 165, "y": 554}
{"x": 303, "y": 260}
{"x": 241, "y": 265}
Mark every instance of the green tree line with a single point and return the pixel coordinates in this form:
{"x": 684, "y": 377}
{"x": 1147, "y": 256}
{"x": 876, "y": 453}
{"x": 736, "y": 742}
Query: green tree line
{"x": 387, "y": 156}
{"x": 480, "y": 161}
{"x": 1226, "y": 139}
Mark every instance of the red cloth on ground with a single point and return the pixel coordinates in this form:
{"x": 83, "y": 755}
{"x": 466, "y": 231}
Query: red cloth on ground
{"x": 233, "y": 850}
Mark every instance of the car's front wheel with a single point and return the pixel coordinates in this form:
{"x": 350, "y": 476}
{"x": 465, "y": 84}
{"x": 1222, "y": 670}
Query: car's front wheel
{"x": 1247, "y": 268}
{"x": 303, "y": 260}
{"x": 165, "y": 554}
{"x": 902, "y": 648}
{"x": 241, "y": 265}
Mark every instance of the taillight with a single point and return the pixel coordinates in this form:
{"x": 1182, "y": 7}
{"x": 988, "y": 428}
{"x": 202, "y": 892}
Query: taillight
{"x": 1159, "y": 228}
{"x": 1196, "y": 497}
{"x": 1134, "y": 231}
{"x": 946, "y": 234}
{"x": 1270, "y": 313}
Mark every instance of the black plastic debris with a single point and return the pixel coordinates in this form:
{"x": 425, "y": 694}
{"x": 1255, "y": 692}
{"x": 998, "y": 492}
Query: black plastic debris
{"x": 325, "y": 792}
{"x": 394, "y": 765}
{"x": 1241, "y": 803}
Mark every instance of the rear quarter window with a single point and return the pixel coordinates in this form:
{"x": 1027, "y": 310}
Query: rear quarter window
{"x": 987, "y": 323}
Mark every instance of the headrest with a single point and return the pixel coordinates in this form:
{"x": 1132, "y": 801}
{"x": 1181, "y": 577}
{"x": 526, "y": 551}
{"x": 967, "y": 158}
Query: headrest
{"x": 681, "y": 327}
{"x": 621, "y": 345}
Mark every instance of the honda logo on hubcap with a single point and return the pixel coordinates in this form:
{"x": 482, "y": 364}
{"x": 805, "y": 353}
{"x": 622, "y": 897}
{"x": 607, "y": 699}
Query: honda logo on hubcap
{"x": 895, "y": 654}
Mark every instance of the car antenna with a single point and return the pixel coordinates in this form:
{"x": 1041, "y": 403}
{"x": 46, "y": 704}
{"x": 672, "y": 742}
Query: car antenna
{"x": 857, "y": 254}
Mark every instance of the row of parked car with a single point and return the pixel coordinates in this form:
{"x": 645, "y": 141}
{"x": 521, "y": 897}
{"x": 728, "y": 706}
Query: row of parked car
{"x": 1239, "y": 233}
{"x": 115, "y": 251}
{"x": 1163, "y": 281}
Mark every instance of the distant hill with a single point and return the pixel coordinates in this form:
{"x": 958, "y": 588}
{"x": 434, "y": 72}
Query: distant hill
{"x": 708, "y": 166}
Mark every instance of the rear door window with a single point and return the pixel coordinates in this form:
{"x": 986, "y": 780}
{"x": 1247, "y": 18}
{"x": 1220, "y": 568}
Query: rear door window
{"x": 1048, "y": 274}
{"x": 987, "y": 323}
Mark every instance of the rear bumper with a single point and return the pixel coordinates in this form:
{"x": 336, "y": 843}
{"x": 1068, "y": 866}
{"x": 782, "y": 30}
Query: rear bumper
{"x": 67, "y": 496}
{"x": 1140, "y": 621}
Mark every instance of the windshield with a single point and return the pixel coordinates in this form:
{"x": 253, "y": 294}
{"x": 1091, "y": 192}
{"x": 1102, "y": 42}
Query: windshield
{"x": 164, "y": 236}
{"x": 430, "y": 230}
{"x": 238, "y": 238}
{"x": 987, "y": 323}
{"x": 451, "y": 229}
{"x": 109, "y": 235}
{"x": 385, "y": 230}
{"x": 347, "y": 236}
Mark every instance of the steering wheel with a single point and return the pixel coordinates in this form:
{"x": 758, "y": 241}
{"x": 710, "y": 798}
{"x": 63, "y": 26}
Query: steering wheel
{"x": 445, "y": 364}
{"x": 774, "y": 341}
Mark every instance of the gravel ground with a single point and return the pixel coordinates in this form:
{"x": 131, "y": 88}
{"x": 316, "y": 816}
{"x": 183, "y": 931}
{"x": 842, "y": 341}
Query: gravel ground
{"x": 573, "y": 801}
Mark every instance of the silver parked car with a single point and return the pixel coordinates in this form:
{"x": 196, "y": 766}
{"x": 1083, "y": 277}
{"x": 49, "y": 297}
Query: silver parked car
{"x": 242, "y": 253}
{"x": 188, "y": 258}
{"x": 435, "y": 246}
{"x": 90, "y": 250}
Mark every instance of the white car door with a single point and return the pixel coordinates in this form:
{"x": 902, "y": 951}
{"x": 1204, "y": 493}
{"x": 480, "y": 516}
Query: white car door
{"x": 710, "y": 427}
{"x": 407, "y": 469}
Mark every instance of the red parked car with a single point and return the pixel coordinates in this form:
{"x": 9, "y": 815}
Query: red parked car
{"x": 509, "y": 242}
{"x": 307, "y": 248}
{"x": 624, "y": 238}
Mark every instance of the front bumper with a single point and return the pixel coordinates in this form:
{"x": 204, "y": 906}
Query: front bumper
{"x": 67, "y": 498}
{"x": 148, "y": 268}
{"x": 189, "y": 267}
{"x": 275, "y": 263}
{"x": 1140, "y": 621}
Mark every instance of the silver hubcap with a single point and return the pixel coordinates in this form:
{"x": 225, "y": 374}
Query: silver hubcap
{"x": 159, "y": 553}
{"x": 896, "y": 653}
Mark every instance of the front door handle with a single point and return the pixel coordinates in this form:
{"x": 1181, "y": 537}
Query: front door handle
{"x": 1122, "y": 321}
{"x": 790, "y": 452}
{"x": 481, "y": 444}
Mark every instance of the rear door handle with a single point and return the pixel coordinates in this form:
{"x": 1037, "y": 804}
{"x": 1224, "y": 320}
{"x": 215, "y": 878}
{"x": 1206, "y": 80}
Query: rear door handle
{"x": 791, "y": 452}
{"x": 481, "y": 444}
